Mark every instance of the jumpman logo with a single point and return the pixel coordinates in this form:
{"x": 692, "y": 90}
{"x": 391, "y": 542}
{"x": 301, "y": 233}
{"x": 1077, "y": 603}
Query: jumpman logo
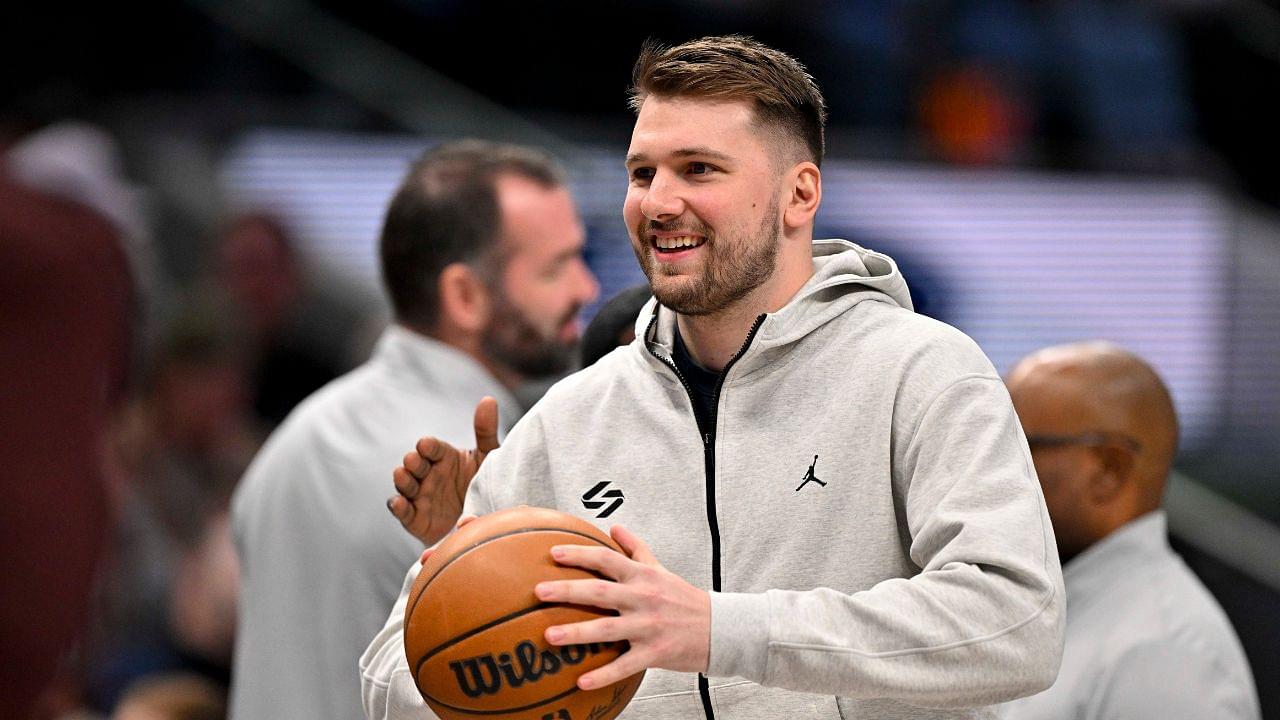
{"x": 810, "y": 477}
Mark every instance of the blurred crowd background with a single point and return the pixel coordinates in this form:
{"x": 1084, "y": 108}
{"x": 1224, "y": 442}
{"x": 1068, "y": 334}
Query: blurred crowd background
{"x": 194, "y": 191}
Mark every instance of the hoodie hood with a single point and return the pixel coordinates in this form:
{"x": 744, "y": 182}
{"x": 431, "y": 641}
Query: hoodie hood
{"x": 844, "y": 274}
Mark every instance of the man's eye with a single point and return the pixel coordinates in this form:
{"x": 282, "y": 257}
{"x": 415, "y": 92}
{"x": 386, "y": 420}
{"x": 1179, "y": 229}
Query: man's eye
{"x": 643, "y": 173}
{"x": 699, "y": 168}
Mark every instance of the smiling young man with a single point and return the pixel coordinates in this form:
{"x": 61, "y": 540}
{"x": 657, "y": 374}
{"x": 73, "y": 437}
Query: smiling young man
{"x": 828, "y": 504}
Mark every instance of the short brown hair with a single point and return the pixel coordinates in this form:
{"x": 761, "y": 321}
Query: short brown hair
{"x": 446, "y": 211}
{"x": 736, "y": 67}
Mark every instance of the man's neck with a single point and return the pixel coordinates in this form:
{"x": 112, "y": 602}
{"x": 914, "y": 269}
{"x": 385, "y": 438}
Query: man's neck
{"x": 713, "y": 340}
{"x": 505, "y": 376}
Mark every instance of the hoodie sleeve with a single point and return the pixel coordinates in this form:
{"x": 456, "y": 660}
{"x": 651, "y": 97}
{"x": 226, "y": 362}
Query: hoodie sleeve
{"x": 982, "y": 620}
{"x": 387, "y": 689}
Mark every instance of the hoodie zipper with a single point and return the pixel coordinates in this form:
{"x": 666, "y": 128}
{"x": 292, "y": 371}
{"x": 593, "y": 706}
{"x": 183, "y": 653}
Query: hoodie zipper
{"x": 709, "y": 464}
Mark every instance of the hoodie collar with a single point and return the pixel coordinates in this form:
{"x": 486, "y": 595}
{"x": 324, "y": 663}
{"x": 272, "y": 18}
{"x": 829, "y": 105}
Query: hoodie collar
{"x": 1138, "y": 544}
{"x": 436, "y": 364}
{"x": 844, "y": 275}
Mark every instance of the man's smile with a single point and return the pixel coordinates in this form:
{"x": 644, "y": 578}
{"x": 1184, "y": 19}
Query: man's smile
{"x": 672, "y": 246}
{"x": 678, "y": 242}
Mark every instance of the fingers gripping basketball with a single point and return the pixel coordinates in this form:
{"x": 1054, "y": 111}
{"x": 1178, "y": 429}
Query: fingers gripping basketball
{"x": 474, "y": 630}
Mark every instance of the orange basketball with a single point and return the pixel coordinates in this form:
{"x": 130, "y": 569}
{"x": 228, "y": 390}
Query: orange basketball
{"x": 474, "y": 630}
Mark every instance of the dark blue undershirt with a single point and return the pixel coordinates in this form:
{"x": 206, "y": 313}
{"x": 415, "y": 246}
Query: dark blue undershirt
{"x": 702, "y": 384}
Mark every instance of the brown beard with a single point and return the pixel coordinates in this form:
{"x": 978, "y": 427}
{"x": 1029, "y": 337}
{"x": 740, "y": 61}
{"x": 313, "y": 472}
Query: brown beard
{"x": 731, "y": 270}
{"x": 513, "y": 341}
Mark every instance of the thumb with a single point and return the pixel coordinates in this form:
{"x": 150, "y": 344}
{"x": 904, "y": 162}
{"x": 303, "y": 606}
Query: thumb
{"x": 486, "y": 425}
{"x": 634, "y": 547}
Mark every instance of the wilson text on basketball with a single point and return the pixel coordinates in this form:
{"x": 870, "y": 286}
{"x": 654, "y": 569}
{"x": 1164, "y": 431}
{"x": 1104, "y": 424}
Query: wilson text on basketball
{"x": 486, "y": 674}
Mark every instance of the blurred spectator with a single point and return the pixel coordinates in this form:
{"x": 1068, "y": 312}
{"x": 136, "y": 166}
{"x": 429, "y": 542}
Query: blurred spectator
{"x": 972, "y": 117}
{"x": 1101, "y": 79}
{"x": 481, "y": 255}
{"x": 998, "y": 55}
{"x": 81, "y": 162}
{"x": 166, "y": 603}
{"x": 84, "y": 163}
{"x": 1144, "y": 638}
{"x": 185, "y": 441}
{"x": 202, "y": 601}
{"x": 65, "y": 297}
{"x": 173, "y": 697}
{"x": 993, "y": 81}
{"x": 299, "y": 339}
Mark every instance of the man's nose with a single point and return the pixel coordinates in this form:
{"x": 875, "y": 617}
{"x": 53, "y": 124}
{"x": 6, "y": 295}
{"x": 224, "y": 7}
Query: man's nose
{"x": 662, "y": 199}
{"x": 586, "y": 287}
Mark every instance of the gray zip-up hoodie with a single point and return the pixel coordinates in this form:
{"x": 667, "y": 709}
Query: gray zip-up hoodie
{"x": 865, "y": 513}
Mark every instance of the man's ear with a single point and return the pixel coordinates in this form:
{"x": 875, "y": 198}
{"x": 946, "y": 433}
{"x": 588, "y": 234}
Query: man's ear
{"x": 805, "y": 183}
{"x": 1115, "y": 465}
{"x": 464, "y": 298}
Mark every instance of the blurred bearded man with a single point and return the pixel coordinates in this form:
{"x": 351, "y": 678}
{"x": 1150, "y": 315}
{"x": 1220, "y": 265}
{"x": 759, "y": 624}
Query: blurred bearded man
{"x": 481, "y": 255}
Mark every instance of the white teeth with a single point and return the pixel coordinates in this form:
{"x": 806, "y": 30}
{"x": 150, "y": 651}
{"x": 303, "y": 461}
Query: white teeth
{"x": 673, "y": 243}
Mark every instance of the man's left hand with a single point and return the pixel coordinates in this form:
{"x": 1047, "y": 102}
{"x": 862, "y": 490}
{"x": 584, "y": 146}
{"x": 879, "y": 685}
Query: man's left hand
{"x": 666, "y": 620}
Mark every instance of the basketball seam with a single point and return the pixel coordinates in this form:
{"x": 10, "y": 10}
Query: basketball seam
{"x": 476, "y": 631}
{"x": 413, "y": 603}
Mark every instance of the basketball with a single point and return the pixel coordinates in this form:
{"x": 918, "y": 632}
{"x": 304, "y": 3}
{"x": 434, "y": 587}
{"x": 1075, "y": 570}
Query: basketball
{"x": 474, "y": 630}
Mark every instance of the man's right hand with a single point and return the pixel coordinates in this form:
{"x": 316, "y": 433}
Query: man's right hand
{"x": 432, "y": 483}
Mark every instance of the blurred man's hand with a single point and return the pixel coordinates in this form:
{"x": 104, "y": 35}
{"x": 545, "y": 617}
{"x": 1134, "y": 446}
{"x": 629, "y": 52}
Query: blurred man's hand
{"x": 432, "y": 483}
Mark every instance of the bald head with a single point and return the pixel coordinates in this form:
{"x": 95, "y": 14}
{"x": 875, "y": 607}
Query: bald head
{"x": 1103, "y": 433}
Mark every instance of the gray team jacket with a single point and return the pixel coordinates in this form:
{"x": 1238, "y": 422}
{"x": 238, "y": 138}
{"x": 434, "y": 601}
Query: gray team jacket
{"x": 865, "y": 512}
